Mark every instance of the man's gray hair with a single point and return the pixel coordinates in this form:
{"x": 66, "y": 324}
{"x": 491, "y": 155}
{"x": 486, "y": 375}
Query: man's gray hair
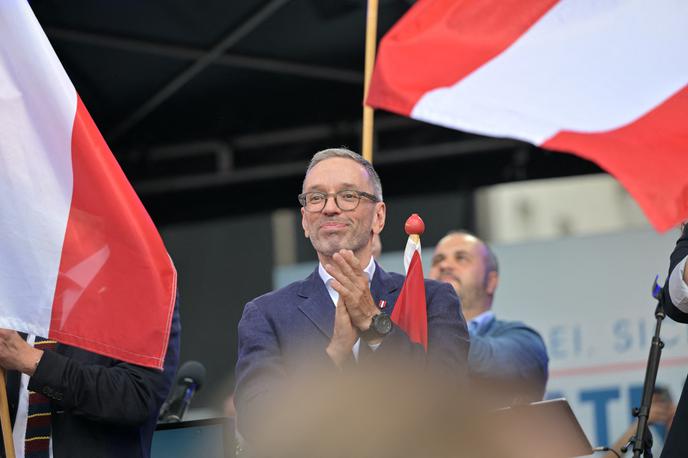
{"x": 348, "y": 154}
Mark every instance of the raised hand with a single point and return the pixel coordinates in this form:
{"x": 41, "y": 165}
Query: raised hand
{"x": 351, "y": 282}
{"x": 344, "y": 336}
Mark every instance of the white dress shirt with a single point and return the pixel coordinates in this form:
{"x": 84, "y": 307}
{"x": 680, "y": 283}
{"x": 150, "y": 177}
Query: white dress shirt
{"x": 478, "y": 321}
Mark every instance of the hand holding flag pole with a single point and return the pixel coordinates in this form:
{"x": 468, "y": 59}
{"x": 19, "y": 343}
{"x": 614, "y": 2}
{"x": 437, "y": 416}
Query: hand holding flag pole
{"x": 410, "y": 311}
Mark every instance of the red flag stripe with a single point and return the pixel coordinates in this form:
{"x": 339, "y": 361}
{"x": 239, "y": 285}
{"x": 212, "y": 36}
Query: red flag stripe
{"x": 410, "y": 310}
{"x": 645, "y": 157}
{"x": 82, "y": 261}
{"x": 414, "y": 56}
{"x": 572, "y": 79}
{"x": 110, "y": 254}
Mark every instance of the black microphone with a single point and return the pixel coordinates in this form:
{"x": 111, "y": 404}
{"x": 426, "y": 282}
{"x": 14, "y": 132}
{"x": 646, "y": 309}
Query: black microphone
{"x": 190, "y": 378}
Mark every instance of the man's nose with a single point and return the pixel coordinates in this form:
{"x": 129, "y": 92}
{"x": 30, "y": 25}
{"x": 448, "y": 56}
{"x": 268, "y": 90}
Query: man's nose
{"x": 446, "y": 267}
{"x": 331, "y": 207}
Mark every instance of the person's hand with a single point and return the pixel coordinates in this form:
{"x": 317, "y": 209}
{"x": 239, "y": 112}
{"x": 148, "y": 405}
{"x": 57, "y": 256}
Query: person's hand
{"x": 661, "y": 412}
{"x": 351, "y": 282}
{"x": 343, "y": 336}
{"x": 16, "y": 354}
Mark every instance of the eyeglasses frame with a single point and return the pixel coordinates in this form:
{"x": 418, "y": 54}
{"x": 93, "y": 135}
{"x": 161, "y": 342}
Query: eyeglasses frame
{"x": 361, "y": 194}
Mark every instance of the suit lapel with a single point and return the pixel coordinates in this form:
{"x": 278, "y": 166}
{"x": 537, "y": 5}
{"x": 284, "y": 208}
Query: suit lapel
{"x": 317, "y": 306}
{"x": 384, "y": 288}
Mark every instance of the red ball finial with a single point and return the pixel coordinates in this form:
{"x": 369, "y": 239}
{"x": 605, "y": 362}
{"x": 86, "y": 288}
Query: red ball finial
{"x": 414, "y": 225}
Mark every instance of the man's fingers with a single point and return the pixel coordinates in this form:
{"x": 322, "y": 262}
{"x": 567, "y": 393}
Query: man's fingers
{"x": 342, "y": 314}
{"x": 352, "y": 285}
{"x": 346, "y": 268}
{"x": 343, "y": 291}
{"x": 348, "y": 263}
{"x": 353, "y": 300}
{"x": 344, "y": 331}
{"x": 351, "y": 259}
{"x": 343, "y": 335}
{"x": 343, "y": 266}
{"x": 339, "y": 276}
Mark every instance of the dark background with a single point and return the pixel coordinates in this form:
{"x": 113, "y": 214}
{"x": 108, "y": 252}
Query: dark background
{"x": 213, "y": 109}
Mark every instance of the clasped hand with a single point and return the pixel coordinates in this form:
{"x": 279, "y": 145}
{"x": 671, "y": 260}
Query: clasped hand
{"x": 355, "y": 308}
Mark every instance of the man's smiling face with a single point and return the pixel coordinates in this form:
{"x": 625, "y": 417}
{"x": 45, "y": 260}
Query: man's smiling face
{"x": 332, "y": 229}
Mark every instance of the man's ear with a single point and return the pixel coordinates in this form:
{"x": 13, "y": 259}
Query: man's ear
{"x": 379, "y": 217}
{"x": 304, "y": 224}
{"x": 492, "y": 282}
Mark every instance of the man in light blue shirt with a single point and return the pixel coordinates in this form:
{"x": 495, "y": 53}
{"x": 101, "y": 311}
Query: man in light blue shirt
{"x": 506, "y": 359}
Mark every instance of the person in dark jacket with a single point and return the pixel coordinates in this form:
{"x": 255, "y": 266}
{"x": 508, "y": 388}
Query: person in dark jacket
{"x": 99, "y": 406}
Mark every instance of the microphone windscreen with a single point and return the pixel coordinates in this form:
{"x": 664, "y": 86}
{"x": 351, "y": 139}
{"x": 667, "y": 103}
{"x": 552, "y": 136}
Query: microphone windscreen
{"x": 192, "y": 370}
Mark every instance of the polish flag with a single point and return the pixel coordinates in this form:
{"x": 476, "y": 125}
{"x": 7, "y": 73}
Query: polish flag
{"x": 80, "y": 259}
{"x": 410, "y": 310}
{"x": 605, "y": 80}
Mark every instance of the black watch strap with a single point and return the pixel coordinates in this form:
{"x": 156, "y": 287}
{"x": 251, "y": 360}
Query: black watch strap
{"x": 380, "y": 326}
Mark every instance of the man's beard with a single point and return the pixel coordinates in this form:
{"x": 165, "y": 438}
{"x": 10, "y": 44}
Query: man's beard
{"x": 470, "y": 297}
{"x": 329, "y": 246}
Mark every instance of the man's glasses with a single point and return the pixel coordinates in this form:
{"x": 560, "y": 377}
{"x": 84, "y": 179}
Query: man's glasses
{"x": 346, "y": 200}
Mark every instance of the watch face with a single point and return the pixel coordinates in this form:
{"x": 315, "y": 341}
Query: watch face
{"x": 383, "y": 324}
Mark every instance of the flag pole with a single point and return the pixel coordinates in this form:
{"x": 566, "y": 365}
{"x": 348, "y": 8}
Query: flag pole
{"x": 5, "y": 418}
{"x": 368, "y": 112}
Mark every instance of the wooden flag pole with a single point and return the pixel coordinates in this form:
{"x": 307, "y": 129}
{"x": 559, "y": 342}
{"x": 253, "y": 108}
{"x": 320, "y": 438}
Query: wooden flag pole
{"x": 5, "y": 418}
{"x": 368, "y": 112}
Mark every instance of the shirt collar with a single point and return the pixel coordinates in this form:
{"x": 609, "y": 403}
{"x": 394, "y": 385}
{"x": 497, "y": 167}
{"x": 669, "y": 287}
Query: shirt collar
{"x": 481, "y": 319}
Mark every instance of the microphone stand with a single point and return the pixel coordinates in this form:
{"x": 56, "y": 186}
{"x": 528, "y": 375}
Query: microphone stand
{"x": 642, "y": 441}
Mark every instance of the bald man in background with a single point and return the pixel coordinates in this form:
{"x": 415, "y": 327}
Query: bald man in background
{"x": 507, "y": 360}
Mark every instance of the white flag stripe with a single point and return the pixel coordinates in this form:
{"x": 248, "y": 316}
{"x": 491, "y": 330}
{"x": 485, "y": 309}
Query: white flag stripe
{"x": 411, "y": 248}
{"x": 35, "y": 171}
{"x": 586, "y": 66}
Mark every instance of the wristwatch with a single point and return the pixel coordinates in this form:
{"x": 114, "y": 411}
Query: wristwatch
{"x": 380, "y": 326}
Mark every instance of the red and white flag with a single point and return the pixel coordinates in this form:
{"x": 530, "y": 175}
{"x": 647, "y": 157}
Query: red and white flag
{"x": 605, "y": 80}
{"x": 80, "y": 259}
{"x": 410, "y": 310}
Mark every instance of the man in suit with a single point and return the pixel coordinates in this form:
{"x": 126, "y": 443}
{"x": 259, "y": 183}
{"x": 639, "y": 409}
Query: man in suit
{"x": 674, "y": 300}
{"x": 99, "y": 407}
{"x": 507, "y": 359}
{"x": 341, "y": 311}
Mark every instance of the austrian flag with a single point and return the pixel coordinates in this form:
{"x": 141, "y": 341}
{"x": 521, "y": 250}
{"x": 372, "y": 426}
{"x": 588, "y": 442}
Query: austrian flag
{"x": 605, "y": 80}
{"x": 410, "y": 310}
{"x": 80, "y": 259}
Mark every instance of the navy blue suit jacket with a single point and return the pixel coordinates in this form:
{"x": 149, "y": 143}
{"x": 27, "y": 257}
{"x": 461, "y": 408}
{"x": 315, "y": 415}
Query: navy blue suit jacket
{"x": 510, "y": 360}
{"x": 286, "y": 331}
